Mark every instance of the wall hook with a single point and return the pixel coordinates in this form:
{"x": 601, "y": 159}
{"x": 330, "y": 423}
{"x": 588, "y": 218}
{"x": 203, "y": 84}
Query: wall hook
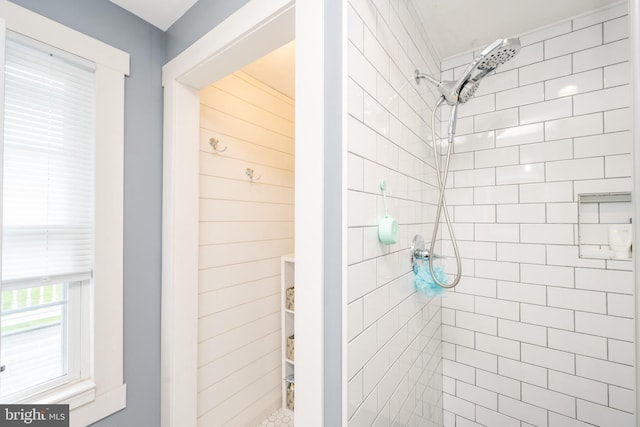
{"x": 214, "y": 144}
{"x": 251, "y": 174}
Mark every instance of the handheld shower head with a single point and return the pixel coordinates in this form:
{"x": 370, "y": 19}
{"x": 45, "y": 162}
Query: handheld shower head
{"x": 462, "y": 90}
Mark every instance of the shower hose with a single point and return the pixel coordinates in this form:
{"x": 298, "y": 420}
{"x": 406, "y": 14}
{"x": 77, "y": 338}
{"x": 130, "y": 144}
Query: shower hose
{"x": 442, "y": 203}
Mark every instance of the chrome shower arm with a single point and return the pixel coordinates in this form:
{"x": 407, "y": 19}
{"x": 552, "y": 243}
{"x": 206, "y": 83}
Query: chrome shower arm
{"x": 432, "y": 80}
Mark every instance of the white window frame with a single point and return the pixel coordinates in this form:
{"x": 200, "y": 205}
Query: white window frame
{"x": 104, "y": 392}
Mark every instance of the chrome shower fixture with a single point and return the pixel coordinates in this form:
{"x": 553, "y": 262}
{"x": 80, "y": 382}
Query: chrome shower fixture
{"x": 462, "y": 90}
{"x": 456, "y": 93}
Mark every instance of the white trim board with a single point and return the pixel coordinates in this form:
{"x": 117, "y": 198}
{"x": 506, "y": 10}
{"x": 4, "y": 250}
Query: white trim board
{"x": 254, "y": 30}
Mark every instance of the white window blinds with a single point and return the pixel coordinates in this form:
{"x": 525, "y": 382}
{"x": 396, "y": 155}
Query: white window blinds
{"x": 47, "y": 212}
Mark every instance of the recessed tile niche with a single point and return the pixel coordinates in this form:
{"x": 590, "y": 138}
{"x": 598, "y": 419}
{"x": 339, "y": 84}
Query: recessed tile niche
{"x": 598, "y": 213}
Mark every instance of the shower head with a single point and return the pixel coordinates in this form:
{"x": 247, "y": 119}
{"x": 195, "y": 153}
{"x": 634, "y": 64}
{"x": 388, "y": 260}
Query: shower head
{"x": 460, "y": 91}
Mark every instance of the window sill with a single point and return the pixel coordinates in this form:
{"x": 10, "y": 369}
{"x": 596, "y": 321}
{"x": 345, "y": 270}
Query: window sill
{"x": 85, "y": 405}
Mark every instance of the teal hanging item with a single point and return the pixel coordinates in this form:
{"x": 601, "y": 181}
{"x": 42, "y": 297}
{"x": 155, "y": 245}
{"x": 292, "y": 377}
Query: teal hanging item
{"x": 424, "y": 282}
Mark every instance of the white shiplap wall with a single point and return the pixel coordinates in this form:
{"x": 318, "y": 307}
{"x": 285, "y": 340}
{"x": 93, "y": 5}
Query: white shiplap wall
{"x": 535, "y": 335}
{"x": 394, "y": 347}
{"x": 244, "y": 229}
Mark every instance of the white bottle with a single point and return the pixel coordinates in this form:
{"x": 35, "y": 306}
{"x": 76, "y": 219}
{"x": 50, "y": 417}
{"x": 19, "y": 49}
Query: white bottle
{"x": 620, "y": 239}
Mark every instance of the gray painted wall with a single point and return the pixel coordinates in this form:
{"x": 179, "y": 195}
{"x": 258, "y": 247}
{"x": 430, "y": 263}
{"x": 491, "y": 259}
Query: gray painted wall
{"x": 197, "y": 21}
{"x": 103, "y": 20}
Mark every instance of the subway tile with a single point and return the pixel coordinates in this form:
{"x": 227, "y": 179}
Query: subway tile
{"x": 551, "y": 400}
{"x": 498, "y": 308}
{"x": 360, "y": 350}
{"x": 621, "y": 352}
{"x": 603, "y": 145}
{"x": 497, "y": 232}
{"x": 533, "y": 334}
{"x": 459, "y": 406}
{"x": 461, "y": 161}
{"x": 497, "y": 270}
{"x": 495, "y": 195}
{"x": 362, "y": 139}
{"x": 574, "y": 84}
{"x": 519, "y": 135}
{"x": 576, "y": 299}
{"x": 605, "y": 280}
{"x": 458, "y": 301}
{"x": 548, "y": 358}
{"x": 545, "y": 33}
{"x": 356, "y": 28}
{"x": 562, "y": 213}
{"x": 375, "y": 115}
{"x": 545, "y": 111}
{"x": 499, "y": 346}
{"x": 545, "y": 70}
{"x": 618, "y": 74}
{"x": 532, "y": 414}
{"x": 477, "y": 285}
{"x": 376, "y": 304}
{"x": 617, "y": 120}
{"x": 546, "y": 192}
{"x": 560, "y": 234}
{"x": 459, "y": 336}
{"x": 356, "y": 323}
{"x": 478, "y": 105}
{"x": 600, "y": 56}
{"x": 582, "y": 388}
{"x": 477, "y": 322}
{"x": 459, "y": 371}
{"x": 521, "y": 213}
{"x": 477, "y": 395}
{"x": 520, "y": 174}
{"x": 520, "y": 96}
{"x": 616, "y": 29}
{"x": 498, "y": 82}
{"x": 588, "y": 345}
{"x": 474, "y": 178}
{"x": 620, "y": 305}
{"x": 477, "y": 359}
{"x": 569, "y": 170}
{"x": 492, "y": 418}
{"x": 525, "y": 372}
{"x": 361, "y": 279}
{"x": 547, "y": 316}
{"x": 354, "y": 241}
{"x": 573, "y": 42}
{"x": 573, "y": 127}
{"x": 496, "y": 120}
{"x": 602, "y": 100}
{"x": 599, "y": 15}
{"x": 622, "y": 398}
{"x": 521, "y": 292}
{"x": 354, "y": 391}
{"x": 475, "y": 214}
{"x": 459, "y": 196}
{"x": 547, "y": 275}
{"x": 355, "y": 172}
{"x": 618, "y": 166}
{"x": 610, "y": 185}
{"x": 546, "y": 151}
{"x": 605, "y": 326}
{"x": 361, "y": 70}
{"x": 602, "y": 415}
{"x": 498, "y": 383}
{"x": 496, "y": 157}
{"x": 475, "y": 141}
{"x": 456, "y": 61}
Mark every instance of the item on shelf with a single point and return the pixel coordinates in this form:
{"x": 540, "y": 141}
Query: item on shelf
{"x": 290, "y": 390}
{"x": 291, "y": 348}
{"x": 290, "y": 302}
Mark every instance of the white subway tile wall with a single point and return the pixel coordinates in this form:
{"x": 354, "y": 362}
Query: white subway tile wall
{"x": 394, "y": 350}
{"x": 554, "y": 344}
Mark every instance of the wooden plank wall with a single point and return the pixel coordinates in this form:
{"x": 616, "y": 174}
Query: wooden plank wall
{"x": 244, "y": 229}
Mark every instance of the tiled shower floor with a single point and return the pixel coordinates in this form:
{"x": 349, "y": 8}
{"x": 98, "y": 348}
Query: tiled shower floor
{"x": 281, "y": 418}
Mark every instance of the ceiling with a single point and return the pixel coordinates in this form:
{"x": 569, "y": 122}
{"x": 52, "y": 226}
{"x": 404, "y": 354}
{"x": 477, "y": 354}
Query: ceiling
{"x": 456, "y": 26}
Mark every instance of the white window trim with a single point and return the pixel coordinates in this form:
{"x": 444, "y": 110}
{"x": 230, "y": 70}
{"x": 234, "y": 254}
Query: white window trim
{"x": 104, "y": 393}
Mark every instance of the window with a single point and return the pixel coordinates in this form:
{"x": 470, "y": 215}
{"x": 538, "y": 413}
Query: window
{"x": 47, "y": 217}
{"x": 62, "y": 260}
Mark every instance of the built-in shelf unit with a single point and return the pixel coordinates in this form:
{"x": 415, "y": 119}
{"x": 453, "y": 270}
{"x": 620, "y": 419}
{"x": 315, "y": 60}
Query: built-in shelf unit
{"x": 288, "y": 330}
